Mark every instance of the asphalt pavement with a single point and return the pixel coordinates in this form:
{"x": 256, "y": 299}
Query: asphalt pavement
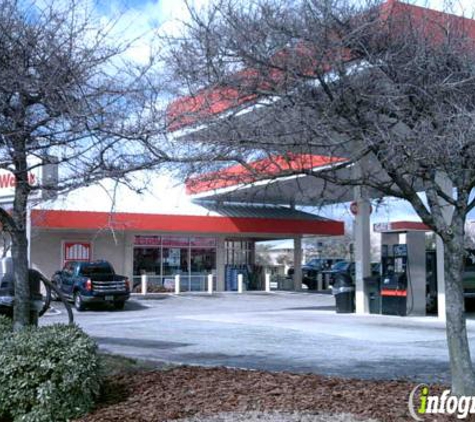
{"x": 295, "y": 332}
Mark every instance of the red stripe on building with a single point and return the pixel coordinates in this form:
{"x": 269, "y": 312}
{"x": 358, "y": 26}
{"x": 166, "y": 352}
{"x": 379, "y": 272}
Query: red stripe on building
{"x": 83, "y": 220}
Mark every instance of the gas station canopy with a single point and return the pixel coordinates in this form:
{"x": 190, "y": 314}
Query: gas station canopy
{"x": 292, "y": 174}
{"x": 290, "y": 179}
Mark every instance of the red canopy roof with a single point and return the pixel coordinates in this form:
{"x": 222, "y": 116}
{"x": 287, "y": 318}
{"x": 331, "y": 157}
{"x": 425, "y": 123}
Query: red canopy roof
{"x": 277, "y": 166}
{"x": 212, "y": 101}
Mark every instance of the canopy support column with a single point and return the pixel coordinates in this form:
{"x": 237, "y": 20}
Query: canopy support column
{"x": 362, "y": 250}
{"x": 220, "y": 264}
{"x": 297, "y": 263}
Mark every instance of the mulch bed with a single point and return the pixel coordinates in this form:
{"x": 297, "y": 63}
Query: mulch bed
{"x": 186, "y": 391}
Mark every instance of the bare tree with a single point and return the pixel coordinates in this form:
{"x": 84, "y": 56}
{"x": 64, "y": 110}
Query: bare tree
{"x": 69, "y": 96}
{"x": 263, "y": 254}
{"x": 387, "y": 91}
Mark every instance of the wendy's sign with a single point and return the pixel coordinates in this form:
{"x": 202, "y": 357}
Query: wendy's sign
{"x": 8, "y": 183}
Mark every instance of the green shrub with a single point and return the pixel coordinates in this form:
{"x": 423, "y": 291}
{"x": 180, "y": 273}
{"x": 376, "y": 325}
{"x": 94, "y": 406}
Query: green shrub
{"x": 48, "y": 374}
{"x": 6, "y": 327}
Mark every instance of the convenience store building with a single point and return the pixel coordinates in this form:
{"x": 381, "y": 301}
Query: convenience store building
{"x": 164, "y": 232}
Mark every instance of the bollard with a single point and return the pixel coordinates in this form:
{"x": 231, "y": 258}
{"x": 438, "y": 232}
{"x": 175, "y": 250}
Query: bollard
{"x": 319, "y": 281}
{"x": 177, "y": 284}
{"x": 144, "y": 283}
{"x": 239, "y": 283}
{"x": 210, "y": 284}
{"x": 267, "y": 282}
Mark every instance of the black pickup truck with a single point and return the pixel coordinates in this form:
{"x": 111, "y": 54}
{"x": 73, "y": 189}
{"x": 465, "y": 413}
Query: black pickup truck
{"x": 86, "y": 283}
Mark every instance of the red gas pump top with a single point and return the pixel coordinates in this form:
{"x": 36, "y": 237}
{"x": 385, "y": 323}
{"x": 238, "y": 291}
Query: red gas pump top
{"x": 400, "y": 226}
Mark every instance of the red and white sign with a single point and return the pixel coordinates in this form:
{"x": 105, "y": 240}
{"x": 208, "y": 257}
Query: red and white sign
{"x": 175, "y": 241}
{"x": 382, "y": 227}
{"x": 8, "y": 181}
{"x": 77, "y": 251}
{"x": 147, "y": 240}
{"x": 400, "y": 226}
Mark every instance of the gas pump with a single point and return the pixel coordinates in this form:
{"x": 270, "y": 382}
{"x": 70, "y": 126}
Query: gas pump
{"x": 395, "y": 280}
{"x": 403, "y": 269}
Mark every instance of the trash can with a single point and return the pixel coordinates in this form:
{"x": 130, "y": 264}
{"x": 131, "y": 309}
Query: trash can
{"x": 344, "y": 292}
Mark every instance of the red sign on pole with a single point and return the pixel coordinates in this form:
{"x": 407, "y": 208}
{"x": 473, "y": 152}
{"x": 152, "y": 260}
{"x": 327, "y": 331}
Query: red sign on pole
{"x": 354, "y": 208}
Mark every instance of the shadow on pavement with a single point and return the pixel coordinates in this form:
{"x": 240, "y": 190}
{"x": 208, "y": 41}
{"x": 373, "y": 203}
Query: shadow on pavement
{"x": 130, "y": 305}
{"x": 312, "y": 308}
{"x": 142, "y": 343}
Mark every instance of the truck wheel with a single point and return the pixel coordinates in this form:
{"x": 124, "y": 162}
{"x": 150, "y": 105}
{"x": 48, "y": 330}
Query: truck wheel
{"x": 119, "y": 305}
{"x": 78, "y": 302}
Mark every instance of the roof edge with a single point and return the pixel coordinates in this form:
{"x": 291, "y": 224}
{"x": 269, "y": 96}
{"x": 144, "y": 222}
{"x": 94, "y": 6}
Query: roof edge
{"x": 89, "y": 220}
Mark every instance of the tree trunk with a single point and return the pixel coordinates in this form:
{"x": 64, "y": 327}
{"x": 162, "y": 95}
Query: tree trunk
{"x": 21, "y": 313}
{"x": 463, "y": 377}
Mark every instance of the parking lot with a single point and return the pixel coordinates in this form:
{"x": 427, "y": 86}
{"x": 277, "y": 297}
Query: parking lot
{"x": 296, "y": 332}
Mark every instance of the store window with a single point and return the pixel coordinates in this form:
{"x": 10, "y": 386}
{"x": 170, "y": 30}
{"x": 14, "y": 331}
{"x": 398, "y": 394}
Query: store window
{"x": 147, "y": 261}
{"x": 238, "y": 252}
{"x": 175, "y": 260}
{"x": 202, "y": 260}
{"x": 161, "y": 258}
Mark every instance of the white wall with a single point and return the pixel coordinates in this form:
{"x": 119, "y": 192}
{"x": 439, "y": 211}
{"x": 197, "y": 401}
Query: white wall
{"x": 47, "y": 249}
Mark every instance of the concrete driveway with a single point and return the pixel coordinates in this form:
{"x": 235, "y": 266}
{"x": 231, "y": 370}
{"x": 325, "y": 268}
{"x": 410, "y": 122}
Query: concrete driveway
{"x": 280, "y": 331}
